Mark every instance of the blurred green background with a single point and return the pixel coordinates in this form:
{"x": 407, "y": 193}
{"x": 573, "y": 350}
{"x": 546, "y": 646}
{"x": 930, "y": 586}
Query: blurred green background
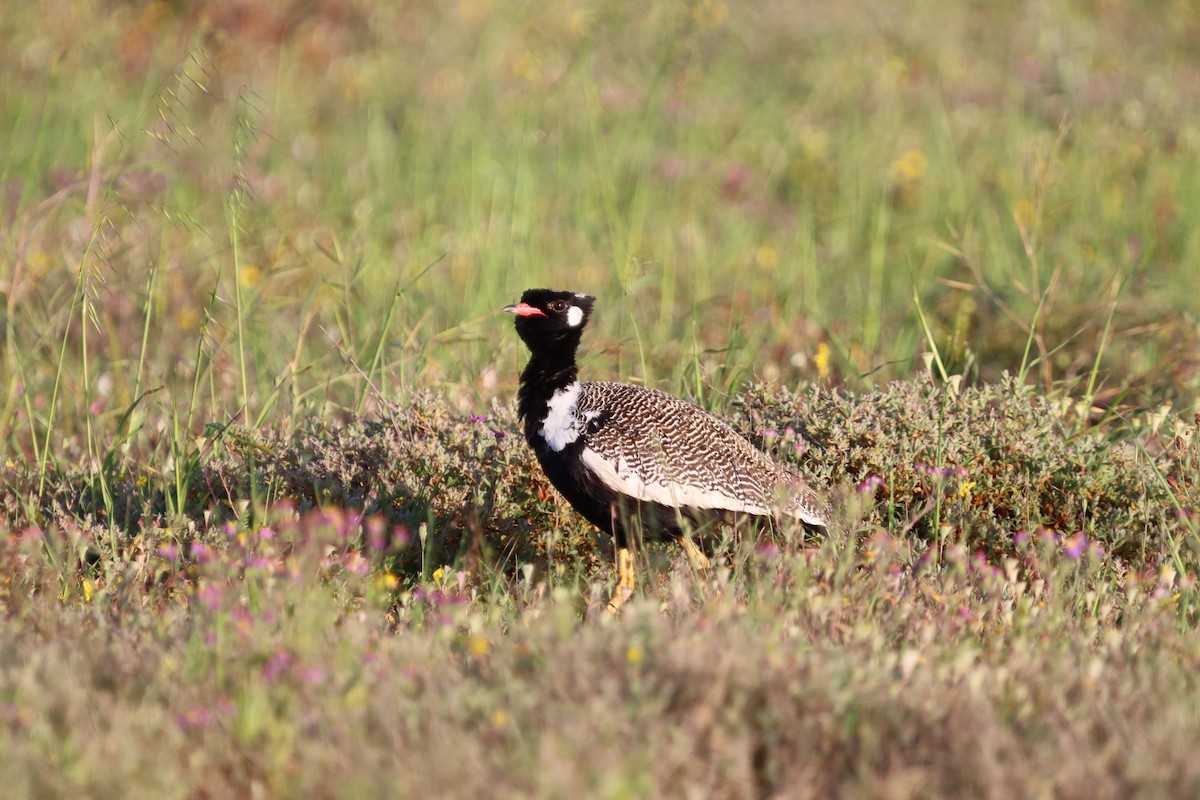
{"x": 302, "y": 208}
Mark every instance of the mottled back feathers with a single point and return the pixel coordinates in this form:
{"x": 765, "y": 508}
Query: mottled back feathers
{"x": 652, "y": 446}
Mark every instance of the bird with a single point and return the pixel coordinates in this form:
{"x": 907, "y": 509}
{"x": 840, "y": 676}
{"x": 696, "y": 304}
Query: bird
{"x": 633, "y": 459}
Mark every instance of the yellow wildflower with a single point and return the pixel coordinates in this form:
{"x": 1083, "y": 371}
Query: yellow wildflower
{"x": 909, "y": 168}
{"x": 814, "y": 143}
{"x": 1025, "y": 212}
{"x": 766, "y": 257}
{"x": 352, "y": 88}
{"x": 249, "y": 276}
{"x": 39, "y": 262}
{"x": 577, "y": 24}
{"x": 895, "y": 71}
{"x": 821, "y": 359}
{"x": 187, "y": 318}
{"x": 527, "y": 66}
{"x": 475, "y": 10}
{"x": 710, "y": 13}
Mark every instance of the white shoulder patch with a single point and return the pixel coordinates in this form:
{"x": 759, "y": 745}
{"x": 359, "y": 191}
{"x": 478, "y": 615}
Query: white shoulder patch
{"x": 561, "y": 426}
{"x": 574, "y": 316}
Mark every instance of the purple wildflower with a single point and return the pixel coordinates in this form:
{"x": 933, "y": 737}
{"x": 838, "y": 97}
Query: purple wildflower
{"x": 276, "y": 665}
{"x": 196, "y": 717}
{"x": 437, "y": 597}
{"x": 356, "y": 565}
{"x": 767, "y": 550}
{"x": 870, "y": 484}
{"x": 32, "y": 534}
{"x": 349, "y": 524}
{"x": 311, "y": 676}
{"x": 376, "y": 540}
{"x": 1077, "y": 545}
{"x": 210, "y": 597}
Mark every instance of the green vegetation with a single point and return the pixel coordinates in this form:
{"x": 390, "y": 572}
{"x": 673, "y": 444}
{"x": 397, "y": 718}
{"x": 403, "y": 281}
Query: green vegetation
{"x": 267, "y": 525}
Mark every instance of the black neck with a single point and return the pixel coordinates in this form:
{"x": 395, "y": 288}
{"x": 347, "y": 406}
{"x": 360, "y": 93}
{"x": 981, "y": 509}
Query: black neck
{"x": 545, "y": 374}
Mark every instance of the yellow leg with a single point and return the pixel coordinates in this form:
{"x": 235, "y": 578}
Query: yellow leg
{"x": 624, "y": 589}
{"x": 698, "y": 559}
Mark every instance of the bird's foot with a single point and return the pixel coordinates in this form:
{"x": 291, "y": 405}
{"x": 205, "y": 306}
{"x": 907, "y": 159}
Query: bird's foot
{"x": 625, "y": 584}
{"x": 620, "y": 598}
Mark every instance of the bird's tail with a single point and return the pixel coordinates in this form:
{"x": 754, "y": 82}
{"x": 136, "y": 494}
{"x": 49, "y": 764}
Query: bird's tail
{"x": 801, "y": 502}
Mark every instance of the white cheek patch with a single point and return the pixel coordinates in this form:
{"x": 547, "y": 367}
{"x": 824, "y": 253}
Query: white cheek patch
{"x": 575, "y": 316}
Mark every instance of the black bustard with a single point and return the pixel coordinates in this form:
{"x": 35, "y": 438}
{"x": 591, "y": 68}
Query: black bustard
{"x": 632, "y": 459}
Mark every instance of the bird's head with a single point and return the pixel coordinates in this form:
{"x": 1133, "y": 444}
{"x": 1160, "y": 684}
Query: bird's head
{"x": 548, "y": 319}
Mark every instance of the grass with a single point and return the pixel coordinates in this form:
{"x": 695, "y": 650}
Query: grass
{"x": 268, "y": 526}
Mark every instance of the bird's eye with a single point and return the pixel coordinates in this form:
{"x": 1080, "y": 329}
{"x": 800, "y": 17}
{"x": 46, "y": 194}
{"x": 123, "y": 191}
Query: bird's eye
{"x": 558, "y": 305}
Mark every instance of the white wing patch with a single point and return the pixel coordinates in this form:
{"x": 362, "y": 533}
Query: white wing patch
{"x": 621, "y": 478}
{"x": 561, "y": 426}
